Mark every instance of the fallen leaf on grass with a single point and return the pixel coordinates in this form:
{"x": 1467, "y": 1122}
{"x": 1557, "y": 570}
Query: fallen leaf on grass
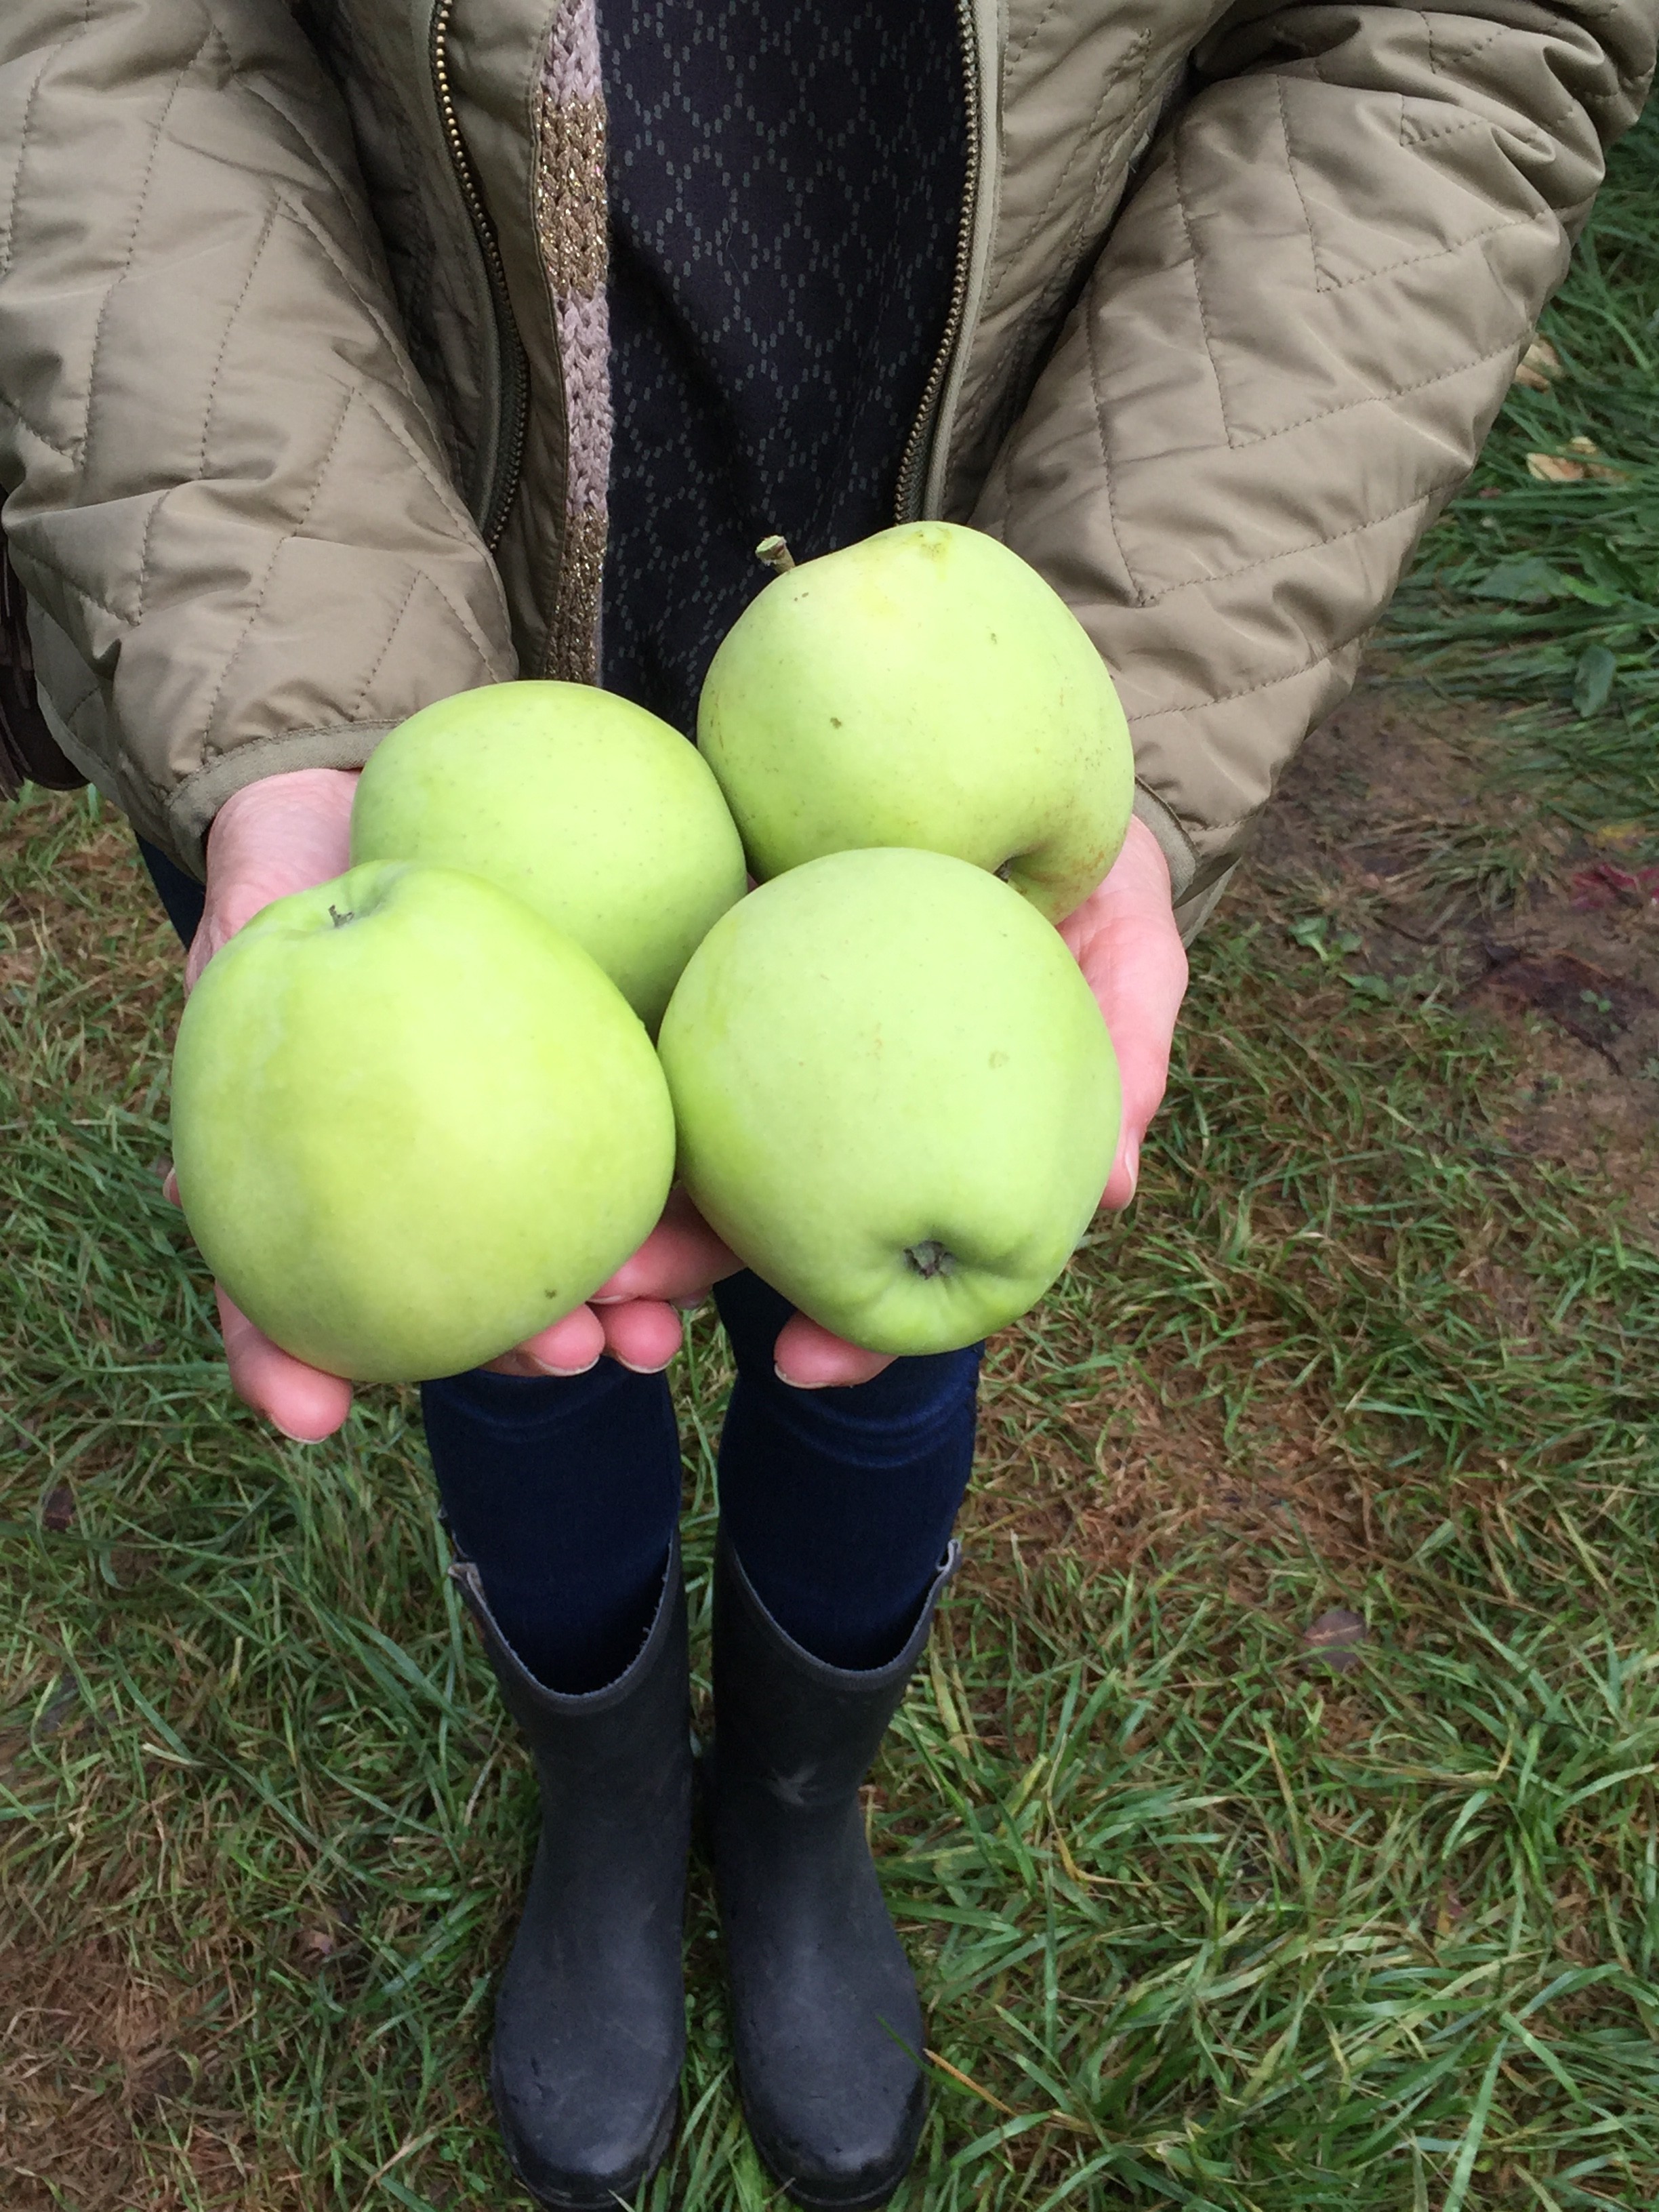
{"x": 1451, "y": 1910}
{"x": 1618, "y": 836}
{"x": 1334, "y": 1635}
{"x": 58, "y": 1511}
{"x": 1538, "y": 367}
{"x": 1592, "y": 680}
{"x": 1597, "y": 888}
{"x": 1573, "y": 466}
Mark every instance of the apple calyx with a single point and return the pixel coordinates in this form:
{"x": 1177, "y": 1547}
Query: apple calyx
{"x": 340, "y": 919}
{"x": 930, "y": 1257}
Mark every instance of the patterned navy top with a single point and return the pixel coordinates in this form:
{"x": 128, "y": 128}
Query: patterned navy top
{"x": 785, "y": 187}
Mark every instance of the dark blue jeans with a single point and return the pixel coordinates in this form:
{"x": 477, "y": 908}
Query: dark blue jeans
{"x": 565, "y": 1490}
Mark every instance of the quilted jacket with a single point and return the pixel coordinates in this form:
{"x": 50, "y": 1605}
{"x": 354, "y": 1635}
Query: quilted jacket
{"x": 282, "y": 424}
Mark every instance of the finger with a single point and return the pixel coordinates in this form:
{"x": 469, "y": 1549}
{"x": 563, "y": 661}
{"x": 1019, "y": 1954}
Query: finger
{"x": 301, "y": 1401}
{"x": 677, "y": 1261}
{"x": 642, "y": 1333}
{"x": 809, "y": 1357}
{"x": 1125, "y": 939}
{"x": 1140, "y": 994}
{"x": 567, "y": 1346}
{"x": 206, "y": 942}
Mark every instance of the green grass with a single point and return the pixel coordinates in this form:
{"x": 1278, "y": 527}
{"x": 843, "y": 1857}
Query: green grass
{"x": 1204, "y": 1919}
{"x": 1549, "y": 593}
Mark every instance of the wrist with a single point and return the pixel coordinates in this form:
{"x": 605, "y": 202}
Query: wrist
{"x": 324, "y": 792}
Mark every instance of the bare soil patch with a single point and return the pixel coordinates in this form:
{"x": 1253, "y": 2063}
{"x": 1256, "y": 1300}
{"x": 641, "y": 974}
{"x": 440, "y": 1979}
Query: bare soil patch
{"x": 1395, "y": 822}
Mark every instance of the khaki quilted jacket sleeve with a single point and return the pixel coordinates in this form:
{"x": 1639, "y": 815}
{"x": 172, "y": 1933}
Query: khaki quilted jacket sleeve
{"x": 1287, "y": 357}
{"x": 225, "y": 494}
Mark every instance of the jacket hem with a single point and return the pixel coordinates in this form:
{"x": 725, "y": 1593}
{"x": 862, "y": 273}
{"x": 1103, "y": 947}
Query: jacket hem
{"x": 190, "y": 810}
{"x": 1176, "y": 845}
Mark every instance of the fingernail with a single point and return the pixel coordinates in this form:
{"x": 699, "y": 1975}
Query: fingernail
{"x": 688, "y": 1305}
{"x": 633, "y": 1370}
{"x": 1132, "y": 1162}
{"x": 790, "y": 1379}
{"x": 290, "y": 1434}
{"x": 566, "y": 1374}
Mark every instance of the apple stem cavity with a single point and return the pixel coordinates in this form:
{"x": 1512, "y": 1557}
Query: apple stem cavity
{"x": 774, "y": 552}
{"x": 338, "y": 919}
{"x": 1005, "y": 873}
{"x": 930, "y": 1257}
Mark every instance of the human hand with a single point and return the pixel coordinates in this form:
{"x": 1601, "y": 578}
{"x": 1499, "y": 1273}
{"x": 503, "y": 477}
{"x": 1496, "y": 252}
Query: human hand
{"x": 283, "y": 834}
{"x": 636, "y": 1317}
{"x": 290, "y": 832}
{"x": 1125, "y": 939}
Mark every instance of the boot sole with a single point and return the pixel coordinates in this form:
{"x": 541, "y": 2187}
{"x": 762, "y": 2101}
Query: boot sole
{"x": 603, "y": 2197}
{"x": 870, "y": 2198}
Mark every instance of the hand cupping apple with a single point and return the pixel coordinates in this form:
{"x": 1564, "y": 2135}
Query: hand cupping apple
{"x": 894, "y": 1094}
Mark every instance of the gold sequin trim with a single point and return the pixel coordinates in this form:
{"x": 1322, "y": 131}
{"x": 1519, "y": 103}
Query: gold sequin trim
{"x": 569, "y": 194}
{"x": 574, "y": 633}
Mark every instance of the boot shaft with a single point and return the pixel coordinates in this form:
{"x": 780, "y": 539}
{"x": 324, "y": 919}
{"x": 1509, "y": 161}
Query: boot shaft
{"x": 806, "y": 1732}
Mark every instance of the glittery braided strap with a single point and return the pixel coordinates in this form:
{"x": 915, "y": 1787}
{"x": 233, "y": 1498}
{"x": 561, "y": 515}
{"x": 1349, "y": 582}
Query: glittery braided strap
{"x": 570, "y": 223}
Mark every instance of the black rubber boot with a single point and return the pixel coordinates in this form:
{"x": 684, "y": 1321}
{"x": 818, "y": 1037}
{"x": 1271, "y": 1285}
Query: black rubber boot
{"x": 590, "y": 2017}
{"x": 824, "y": 2013}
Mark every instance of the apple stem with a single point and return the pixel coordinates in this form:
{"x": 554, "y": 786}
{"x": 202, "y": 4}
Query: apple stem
{"x": 774, "y": 552}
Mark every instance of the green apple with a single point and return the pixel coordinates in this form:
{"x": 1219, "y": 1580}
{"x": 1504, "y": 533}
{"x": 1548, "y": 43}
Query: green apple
{"x": 412, "y": 1123}
{"x": 895, "y": 1097}
{"x": 924, "y": 688}
{"x": 590, "y": 809}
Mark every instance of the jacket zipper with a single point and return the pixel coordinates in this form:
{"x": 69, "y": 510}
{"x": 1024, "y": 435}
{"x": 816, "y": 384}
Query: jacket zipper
{"x": 906, "y": 499}
{"x": 509, "y": 457}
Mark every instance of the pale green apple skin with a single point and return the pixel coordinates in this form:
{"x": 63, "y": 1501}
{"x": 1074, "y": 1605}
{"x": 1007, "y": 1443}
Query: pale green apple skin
{"x": 406, "y": 1143}
{"x": 924, "y": 688}
{"x": 882, "y": 1051}
{"x": 590, "y": 809}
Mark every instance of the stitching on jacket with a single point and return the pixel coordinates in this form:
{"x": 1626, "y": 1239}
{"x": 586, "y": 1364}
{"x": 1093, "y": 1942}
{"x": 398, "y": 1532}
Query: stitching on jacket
{"x": 1097, "y": 381}
{"x": 1198, "y": 287}
{"x": 1467, "y": 53}
{"x": 351, "y": 278}
{"x": 1423, "y": 137}
{"x": 157, "y": 504}
{"x": 1225, "y": 698}
{"x": 1143, "y": 40}
{"x": 264, "y": 240}
{"x": 436, "y": 482}
{"x": 1018, "y": 53}
{"x": 1438, "y": 252}
{"x": 464, "y": 620}
{"x": 157, "y": 129}
{"x": 344, "y": 193}
{"x": 253, "y": 612}
{"x": 1309, "y": 545}
{"x": 1324, "y": 282}
{"x": 1390, "y": 392}
{"x": 1302, "y": 197}
{"x": 70, "y": 453}
{"x": 354, "y": 710}
{"x": 32, "y": 559}
{"x": 24, "y": 146}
